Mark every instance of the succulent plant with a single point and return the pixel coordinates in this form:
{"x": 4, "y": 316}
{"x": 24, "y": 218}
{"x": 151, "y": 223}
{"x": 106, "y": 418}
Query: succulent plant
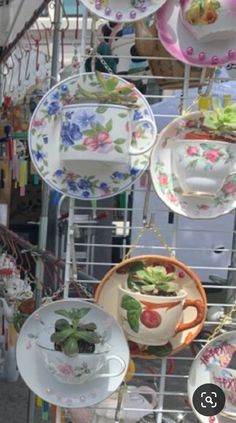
{"x": 221, "y": 120}
{"x": 151, "y": 280}
{"x": 216, "y": 124}
{"x": 73, "y": 337}
{"x": 110, "y": 92}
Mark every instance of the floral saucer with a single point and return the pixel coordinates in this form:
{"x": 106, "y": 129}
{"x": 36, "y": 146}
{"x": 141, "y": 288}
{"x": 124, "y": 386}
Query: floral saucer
{"x": 219, "y": 352}
{"x": 182, "y": 44}
{"x": 107, "y": 297}
{"x": 166, "y": 184}
{"x": 43, "y": 383}
{"x": 90, "y": 182}
{"x": 123, "y": 10}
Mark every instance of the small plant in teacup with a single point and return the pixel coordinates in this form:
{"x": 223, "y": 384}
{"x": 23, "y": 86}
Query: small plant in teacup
{"x": 75, "y": 351}
{"x": 151, "y": 305}
{"x": 205, "y": 157}
{"x": 99, "y": 126}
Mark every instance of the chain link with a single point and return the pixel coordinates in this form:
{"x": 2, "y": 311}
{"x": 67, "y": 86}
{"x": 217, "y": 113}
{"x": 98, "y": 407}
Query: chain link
{"x": 159, "y": 236}
{"x": 222, "y": 323}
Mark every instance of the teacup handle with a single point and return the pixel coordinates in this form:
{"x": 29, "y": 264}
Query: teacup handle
{"x": 149, "y": 391}
{"x": 136, "y": 151}
{"x": 199, "y": 305}
{"x": 118, "y": 373}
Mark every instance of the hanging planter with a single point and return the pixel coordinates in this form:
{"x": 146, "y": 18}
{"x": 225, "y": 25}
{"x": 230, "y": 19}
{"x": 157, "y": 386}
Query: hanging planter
{"x": 204, "y": 157}
{"x": 158, "y": 301}
{"x": 151, "y": 305}
{"x": 78, "y": 351}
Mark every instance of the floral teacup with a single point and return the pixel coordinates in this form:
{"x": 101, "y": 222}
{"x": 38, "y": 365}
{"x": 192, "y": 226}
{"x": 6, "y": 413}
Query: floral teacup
{"x": 102, "y": 133}
{"x": 79, "y": 368}
{"x": 225, "y": 378}
{"x": 202, "y": 166}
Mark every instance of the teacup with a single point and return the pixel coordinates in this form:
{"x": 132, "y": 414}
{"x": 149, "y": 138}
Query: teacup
{"x": 102, "y": 133}
{"x": 154, "y": 320}
{"x": 225, "y": 378}
{"x": 202, "y": 167}
{"x": 80, "y": 368}
{"x": 212, "y": 22}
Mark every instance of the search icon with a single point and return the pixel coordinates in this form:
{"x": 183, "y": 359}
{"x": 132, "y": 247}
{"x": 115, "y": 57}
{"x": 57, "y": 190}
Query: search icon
{"x": 208, "y": 400}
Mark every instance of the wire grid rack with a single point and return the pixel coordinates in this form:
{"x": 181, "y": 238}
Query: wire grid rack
{"x": 208, "y": 247}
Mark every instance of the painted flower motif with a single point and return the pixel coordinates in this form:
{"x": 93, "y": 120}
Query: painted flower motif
{"x": 66, "y": 369}
{"x": 118, "y": 175}
{"x": 53, "y": 108}
{"x": 59, "y": 173}
{"x": 64, "y": 88}
{"x": 163, "y": 180}
{"x": 137, "y": 115}
{"x": 86, "y": 194}
{"x": 85, "y": 184}
{"x": 192, "y": 151}
{"x": 101, "y": 143}
{"x": 212, "y": 155}
{"x": 56, "y": 95}
{"x": 134, "y": 171}
{"x": 70, "y": 133}
{"x": 72, "y": 186}
{"x": 229, "y": 188}
{"x": 39, "y": 155}
{"x": 37, "y": 123}
{"x": 203, "y": 207}
{"x": 85, "y": 119}
{"x": 172, "y": 198}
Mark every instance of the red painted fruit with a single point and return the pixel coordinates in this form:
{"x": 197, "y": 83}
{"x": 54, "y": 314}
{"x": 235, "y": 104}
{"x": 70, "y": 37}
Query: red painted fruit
{"x": 150, "y": 319}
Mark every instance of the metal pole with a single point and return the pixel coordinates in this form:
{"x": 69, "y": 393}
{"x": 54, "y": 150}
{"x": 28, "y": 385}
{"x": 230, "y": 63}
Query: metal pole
{"x": 43, "y": 224}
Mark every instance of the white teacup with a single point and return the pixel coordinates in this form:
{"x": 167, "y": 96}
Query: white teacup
{"x": 102, "y": 133}
{"x": 202, "y": 166}
{"x": 154, "y": 320}
{"x": 225, "y": 378}
{"x": 80, "y": 368}
{"x": 217, "y": 22}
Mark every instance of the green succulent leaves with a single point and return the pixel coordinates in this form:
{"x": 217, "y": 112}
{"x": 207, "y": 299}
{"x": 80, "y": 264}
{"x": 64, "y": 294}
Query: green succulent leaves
{"x": 68, "y": 333}
{"x": 151, "y": 279}
{"x": 221, "y": 120}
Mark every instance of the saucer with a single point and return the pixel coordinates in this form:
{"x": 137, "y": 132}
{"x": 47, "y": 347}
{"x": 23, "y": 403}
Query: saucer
{"x": 123, "y": 10}
{"x": 92, "y": 181}
{"x": 106, "y": 296}
{"x": 218, "y": 351}
{"x": 43, "y": 383}
{"x": 181, "y": 44}
{"x": 167, "y": 186}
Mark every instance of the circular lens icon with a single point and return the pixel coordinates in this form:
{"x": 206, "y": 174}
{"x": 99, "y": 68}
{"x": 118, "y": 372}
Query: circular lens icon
{"x": 208, "y": 400}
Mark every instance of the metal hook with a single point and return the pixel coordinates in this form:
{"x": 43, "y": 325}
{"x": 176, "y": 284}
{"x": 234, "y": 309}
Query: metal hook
{"x": 19, "y": 59}
{"x": 37, "y": 40}
{"x": 29, "y": 47}
{"x": 47, "y": 31}
{"x": 27, "y": 73}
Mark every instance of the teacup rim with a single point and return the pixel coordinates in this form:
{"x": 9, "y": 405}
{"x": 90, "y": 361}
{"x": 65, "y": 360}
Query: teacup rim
{"x": 174, "y": 298}
{"x": 43, "y": 348}
{"x": 107, "y": 105}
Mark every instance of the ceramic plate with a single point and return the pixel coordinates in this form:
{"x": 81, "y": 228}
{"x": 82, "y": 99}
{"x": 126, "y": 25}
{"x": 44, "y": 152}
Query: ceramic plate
{"x": 167, "y": 187}
{"x": 123, "y": 10}
{"x": 44, "y": 384}
{"x": 107, "y": 297}
{"x": 90, "y": 182}
{"x": 218, "y": 351}
{"x": 180, "y": 43}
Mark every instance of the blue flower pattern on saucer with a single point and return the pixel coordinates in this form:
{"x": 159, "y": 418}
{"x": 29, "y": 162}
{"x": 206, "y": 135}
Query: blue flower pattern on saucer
{"x": 46, "y": 129}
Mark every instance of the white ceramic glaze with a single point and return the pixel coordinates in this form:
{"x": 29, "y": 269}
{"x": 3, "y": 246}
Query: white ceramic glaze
{"x": 217, "y": 22}
{"x": 217, "y": 352}
{"x": 104, "y": 134}
{"x": 158, "y": 318}
{"x": 225, "y": 378}
{"x": 202, "y": 166}
{"x": 77, "y": 369}
{"x": 37, "y": 376}
{"x": 89, "y": 180}
{"x": 166, "y": 183}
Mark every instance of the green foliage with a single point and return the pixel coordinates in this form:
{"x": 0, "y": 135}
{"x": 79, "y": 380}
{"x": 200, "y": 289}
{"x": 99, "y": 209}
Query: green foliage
{"x": 221, "y": 120}
{"x": 151, "y": 279}
{"x": 68, "y": 333}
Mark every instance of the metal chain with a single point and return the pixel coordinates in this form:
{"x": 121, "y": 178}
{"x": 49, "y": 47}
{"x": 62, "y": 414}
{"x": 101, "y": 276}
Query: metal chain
{"x": 159, "y": 236}
{"x": 222, "y": 323}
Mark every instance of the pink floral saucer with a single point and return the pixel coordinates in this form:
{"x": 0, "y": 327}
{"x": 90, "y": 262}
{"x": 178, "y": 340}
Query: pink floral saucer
{"x": 186, "y": 41}
{"x": 123, "y": 10}
{"x": 167, "y": 186}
